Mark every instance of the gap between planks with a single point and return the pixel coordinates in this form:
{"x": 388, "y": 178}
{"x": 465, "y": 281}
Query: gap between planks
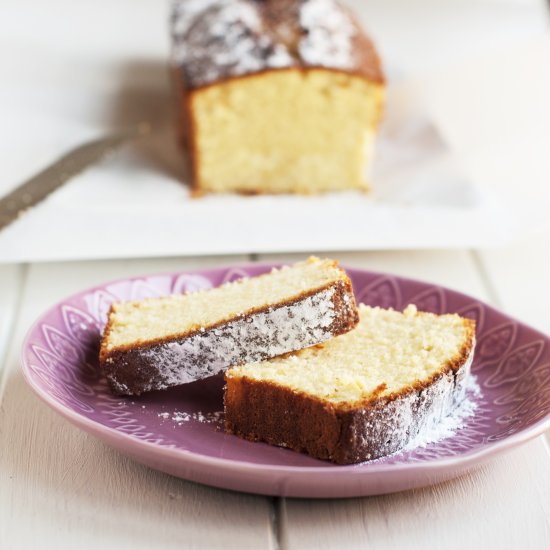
{"x": 11, "y": 317}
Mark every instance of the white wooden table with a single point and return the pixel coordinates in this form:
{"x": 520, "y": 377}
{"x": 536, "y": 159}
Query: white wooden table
{"x": 61, "y": 488}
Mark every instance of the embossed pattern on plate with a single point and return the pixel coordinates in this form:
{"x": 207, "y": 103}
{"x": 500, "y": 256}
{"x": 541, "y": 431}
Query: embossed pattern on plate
{"x": 512, "y": 364}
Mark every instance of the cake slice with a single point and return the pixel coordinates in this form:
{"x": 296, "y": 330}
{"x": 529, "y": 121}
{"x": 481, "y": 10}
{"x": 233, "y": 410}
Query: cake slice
{"x": 359, "y": 396}
{"x": 162, "y": 342}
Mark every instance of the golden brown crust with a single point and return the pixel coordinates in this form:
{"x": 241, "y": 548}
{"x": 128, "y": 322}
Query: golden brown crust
{"x": 186, "y": 131}
{"x": 302, "y": 70}
{"x": 345, "y": 432}
{"x": 286, "y": 418}
{"x": 369, "y": 64}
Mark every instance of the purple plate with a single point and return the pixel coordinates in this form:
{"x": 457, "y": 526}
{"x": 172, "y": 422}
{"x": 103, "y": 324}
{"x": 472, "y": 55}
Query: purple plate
{"x": 180, "y": 431}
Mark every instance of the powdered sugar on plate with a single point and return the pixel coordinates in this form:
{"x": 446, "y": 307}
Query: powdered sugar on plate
{"x": 179, "y": 417}
{"x": 438, "y": 431}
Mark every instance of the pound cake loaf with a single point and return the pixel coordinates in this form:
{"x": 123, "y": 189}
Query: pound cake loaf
{"x": 162, "y": 342}
{"x": 275, "y": 96}
{"x": 360, "y": 396}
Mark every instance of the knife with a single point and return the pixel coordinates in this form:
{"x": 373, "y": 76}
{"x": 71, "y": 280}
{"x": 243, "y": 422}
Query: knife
{"x": 39, "y": 186}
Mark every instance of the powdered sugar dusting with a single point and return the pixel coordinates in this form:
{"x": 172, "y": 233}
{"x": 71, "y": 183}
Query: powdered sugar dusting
{"x": 224, "y": 38}
{"x": 449, "y": 425}
{"x": 451, "y": 406}
{"x": 179, "y": 417}
{"x": 246, "y": 339}
{"x": 216, "y": 39}
{"x": 328, "y": 39}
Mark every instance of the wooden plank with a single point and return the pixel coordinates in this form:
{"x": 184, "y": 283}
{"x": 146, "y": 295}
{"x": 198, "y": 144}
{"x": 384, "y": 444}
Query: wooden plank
{"x": 519, "y": 275}
{"x": 64, "y": 489}
{"x": 482, "y": 509}
{"x": 504, "y": 504}
{"x": 11, "y": 277}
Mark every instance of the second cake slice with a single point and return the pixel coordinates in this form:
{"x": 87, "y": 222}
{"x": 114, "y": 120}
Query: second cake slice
{"x": 162, "y": 342}
{"x": 360, "y": 396}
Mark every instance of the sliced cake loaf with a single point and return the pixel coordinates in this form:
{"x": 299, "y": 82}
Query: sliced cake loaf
{"x": 276, "y": 96}
{"x": 359, "y": 396}
{"x": 168, "y": 341}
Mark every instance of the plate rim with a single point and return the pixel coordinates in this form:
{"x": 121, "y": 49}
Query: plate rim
{"x": 465, "y": 460}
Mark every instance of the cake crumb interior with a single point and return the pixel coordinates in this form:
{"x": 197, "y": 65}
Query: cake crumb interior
{"x": 154, "y": 318}
{"x": 286, "y": 131}
{"x": 388, "y": 349}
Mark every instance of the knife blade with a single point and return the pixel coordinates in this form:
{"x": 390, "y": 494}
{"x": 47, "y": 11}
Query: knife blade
{"x": 39, "y": 186}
